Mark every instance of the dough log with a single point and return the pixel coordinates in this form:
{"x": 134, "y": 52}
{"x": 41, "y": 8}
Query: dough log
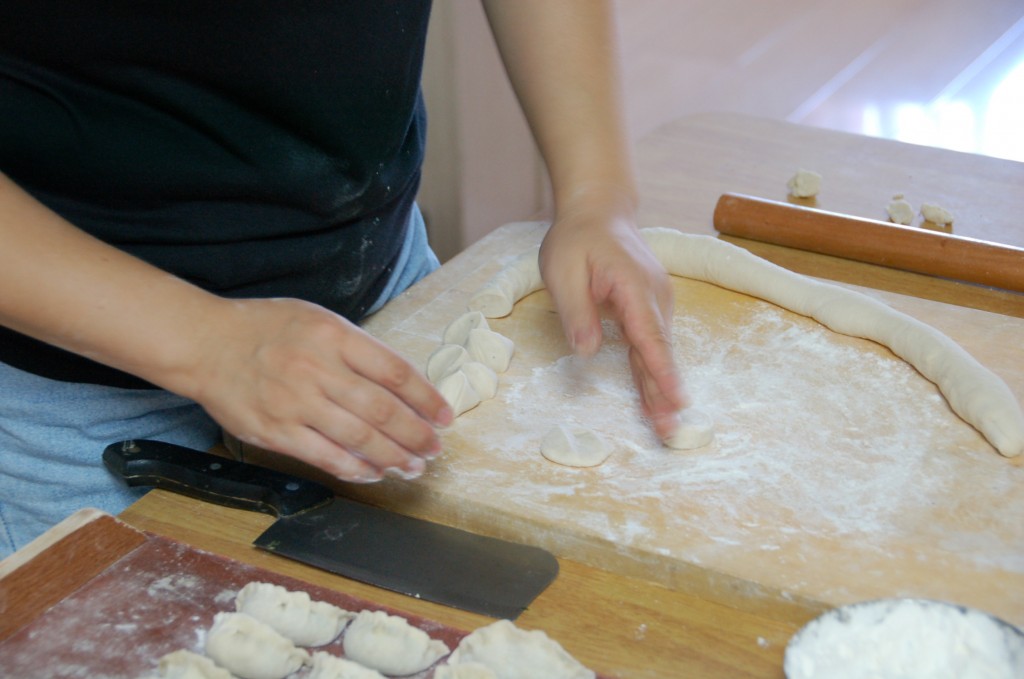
{"x": 975, "y": 393}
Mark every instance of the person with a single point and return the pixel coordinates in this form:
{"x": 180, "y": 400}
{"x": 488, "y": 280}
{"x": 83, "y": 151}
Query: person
{"x": 200, "y": 201}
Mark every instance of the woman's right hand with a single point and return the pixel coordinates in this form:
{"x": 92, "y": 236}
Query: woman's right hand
{"x": 294, "y": 378}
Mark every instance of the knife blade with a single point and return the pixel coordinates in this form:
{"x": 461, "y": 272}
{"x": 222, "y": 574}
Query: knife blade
{"x": 412, "y": 556}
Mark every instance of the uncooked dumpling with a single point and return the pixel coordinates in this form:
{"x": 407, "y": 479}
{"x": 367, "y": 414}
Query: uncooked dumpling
{"x": 514, "y": 653}
{"x": 490, "y": 348}
{"x": 390, "y": 645}
{"x": 188, "y": 665}
{"x": 444, "y": 361}
{"x": 471, "y": 670}
{"x": 327, "y": 666}
{"x": 575, "y": 446}
{"x": 459, "y": 392}
{"x": 694, "y": 430}
{"x": 251, "y": 649}
{"x": 483, "y": 380}
{"x": 457, "y": 331}
{"x": 304, "y": 621}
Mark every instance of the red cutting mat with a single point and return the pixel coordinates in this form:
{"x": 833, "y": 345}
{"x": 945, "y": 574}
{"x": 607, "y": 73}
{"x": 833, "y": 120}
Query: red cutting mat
{"x": 68, "y": 614}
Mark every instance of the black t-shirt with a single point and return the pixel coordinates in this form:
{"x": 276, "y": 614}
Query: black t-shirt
{"x": 257, "y": 149}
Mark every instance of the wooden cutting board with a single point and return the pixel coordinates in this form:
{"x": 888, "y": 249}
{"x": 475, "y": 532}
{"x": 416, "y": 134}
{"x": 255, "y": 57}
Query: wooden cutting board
{"x": 837, "y": 474}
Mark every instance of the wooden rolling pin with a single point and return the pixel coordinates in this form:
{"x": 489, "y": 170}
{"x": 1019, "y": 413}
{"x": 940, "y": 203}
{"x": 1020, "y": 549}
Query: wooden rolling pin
{"x": 867, "y": 240}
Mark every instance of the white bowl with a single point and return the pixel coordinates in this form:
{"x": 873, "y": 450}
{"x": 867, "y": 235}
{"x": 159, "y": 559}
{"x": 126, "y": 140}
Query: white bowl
{"x": 906, "y": 639}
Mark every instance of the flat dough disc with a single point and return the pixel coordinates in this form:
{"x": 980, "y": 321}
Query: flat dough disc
{"x": 575, "y": 446}
{"x": 695, "y": 430}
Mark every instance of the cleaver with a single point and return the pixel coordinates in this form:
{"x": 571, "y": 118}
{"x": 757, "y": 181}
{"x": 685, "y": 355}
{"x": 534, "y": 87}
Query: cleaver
{"x": 412, "y": 556}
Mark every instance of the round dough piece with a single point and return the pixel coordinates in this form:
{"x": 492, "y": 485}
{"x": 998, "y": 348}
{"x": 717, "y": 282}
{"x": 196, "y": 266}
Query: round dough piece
{"x": 575, "y": 446}
{"x": 696, "y": 429}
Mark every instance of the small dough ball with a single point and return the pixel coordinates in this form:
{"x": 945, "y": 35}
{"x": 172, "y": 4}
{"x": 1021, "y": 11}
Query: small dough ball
{"x": 900, "y": 211}
{"x": 459, "y": 392}
{"x": 936, "y": 214}
{"x": 251, "y": 649}
{"x": 490, "y": 348}
{"x": 390, "y": 645}
{"x": 444, "y": 361}
{"x": 804, "y": 184}
{"x": 695, "y": 430}
{"x": 457, "y": 331}
{"x": 575, "y": 446}
{"x": 481, "y": 378}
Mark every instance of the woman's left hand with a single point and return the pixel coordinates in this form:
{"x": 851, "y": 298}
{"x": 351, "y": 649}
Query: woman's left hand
{"x": 593, "y": 259}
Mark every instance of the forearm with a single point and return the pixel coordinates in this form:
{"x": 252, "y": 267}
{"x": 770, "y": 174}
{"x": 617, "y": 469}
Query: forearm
{"x": 66, "y": 288}
{"x": 561, "y": 59}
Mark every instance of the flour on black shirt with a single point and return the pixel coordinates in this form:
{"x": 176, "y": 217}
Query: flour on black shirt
{"x": 257, "y": 149}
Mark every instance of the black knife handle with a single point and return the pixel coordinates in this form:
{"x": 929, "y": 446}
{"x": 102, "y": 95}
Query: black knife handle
{"x": 142, "y": 462}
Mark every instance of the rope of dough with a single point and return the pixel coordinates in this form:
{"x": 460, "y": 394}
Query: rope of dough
{"x": 975, "y": 393}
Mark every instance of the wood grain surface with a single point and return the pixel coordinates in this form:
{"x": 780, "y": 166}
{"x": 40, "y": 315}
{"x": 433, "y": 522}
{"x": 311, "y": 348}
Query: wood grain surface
{"x": 623, "y": 627}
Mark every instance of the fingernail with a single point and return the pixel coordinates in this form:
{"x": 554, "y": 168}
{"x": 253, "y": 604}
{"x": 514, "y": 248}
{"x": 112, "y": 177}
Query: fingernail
{"x": 434, "y": 451}
{"x": 444, "y": 418}
{"x": 413, "y": 469}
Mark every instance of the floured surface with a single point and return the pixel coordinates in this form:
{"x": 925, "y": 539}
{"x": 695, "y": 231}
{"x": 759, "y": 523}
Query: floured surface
{"x": 837, "y": 472}
{"x": 159, "y": 598}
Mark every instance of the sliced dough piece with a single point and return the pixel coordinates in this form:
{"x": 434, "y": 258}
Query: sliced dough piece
{"x": 490, "y": 348}
{"x": 185, "y": 664}
{"x": 470, "y": 670}
{"x": 457, "y": 331}
{"x": 293, "y": 614}
{"x": 936, "y": 214}
{"x": 900, "y": 211}
{"x": 459, "y": 392}
{"x": 575, "y": 446}
{"x": 514, "y": 653}
{"x": 327, "y": 666}
{"x": 974, "y": 393}
{"x": 804, "y": 184}
{"x": 251, "y": 649}
{"x": 483, "y": 380}
{"x": 696, "y": 429}
{"x": 390, "y": 645}
{"x": 517, "y": 280}
{"x": 444, "y": 361}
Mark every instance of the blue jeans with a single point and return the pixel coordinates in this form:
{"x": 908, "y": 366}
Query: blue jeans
{"x": 53, "y": 433}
